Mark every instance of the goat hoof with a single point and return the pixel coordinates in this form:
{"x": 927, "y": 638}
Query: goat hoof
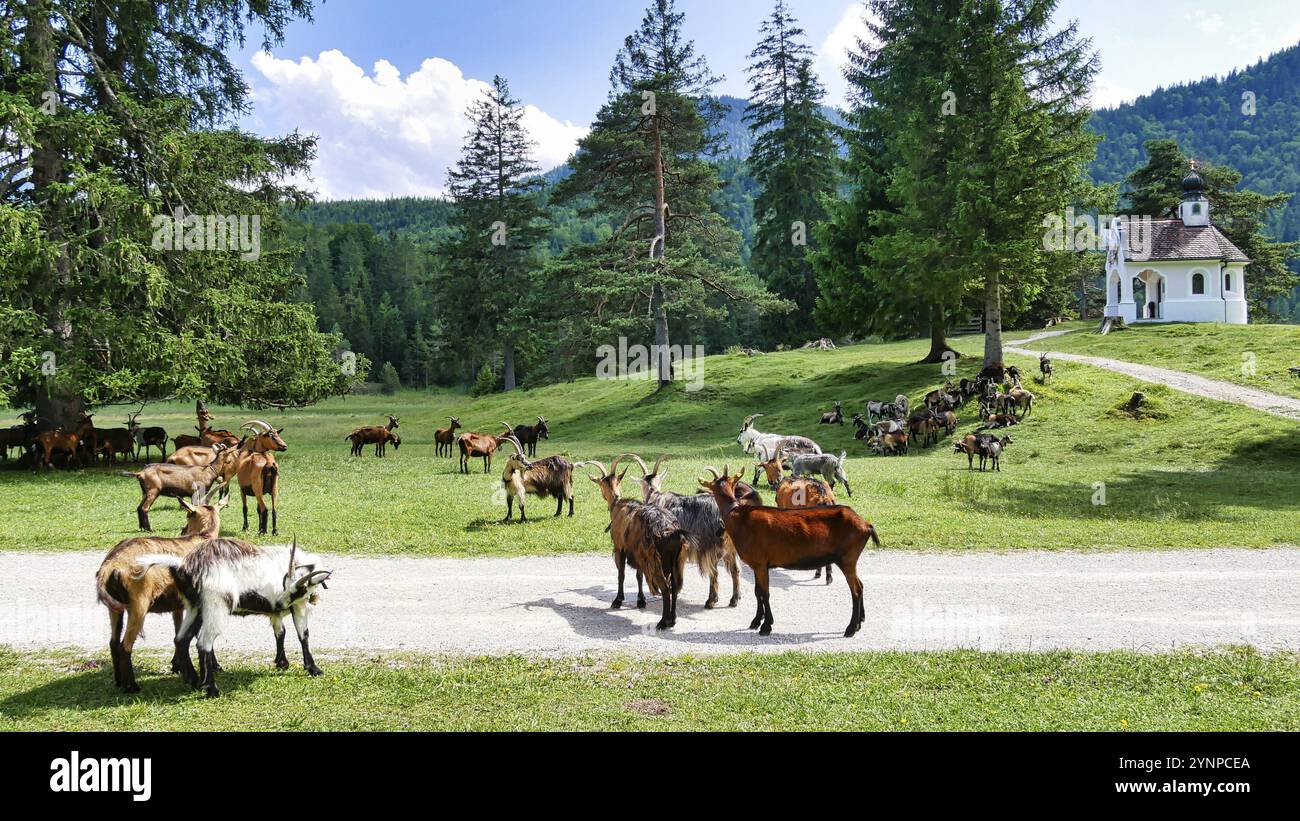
{"x": 640, "y": 604}
{"x": 282, "y": 664}
{"x": 663, "y": 625}
{"x": 315, "y": 671}
{"x": 211, "y": 691}
{"x": 753, "y": 625}
{"x": 765, "y": 630}
{"x": 851, "y": 631}
{"x": 616, "y": 604}
{"x": 710, "y": 604}
{"x": 734, "y": 600}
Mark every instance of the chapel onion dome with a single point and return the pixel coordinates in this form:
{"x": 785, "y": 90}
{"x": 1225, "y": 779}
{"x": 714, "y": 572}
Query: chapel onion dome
{"x": 1193, "y": 184}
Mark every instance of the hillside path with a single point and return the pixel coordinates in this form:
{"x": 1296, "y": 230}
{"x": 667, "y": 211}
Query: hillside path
{"x": 1276, "y": 404}
{"x": 559, "y": 605}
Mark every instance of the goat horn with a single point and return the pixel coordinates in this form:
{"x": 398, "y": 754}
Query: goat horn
{"x": 252, "y": 422}
{"x": 585, "y": 465}
{"x": 644, "y": 470}
{"x": 663, "y": 457}
{"x": 714, "y": 471}
{"x": 613, "y": 466}
{"x": 293, "y": 554}
{"x": 518, "y": 448}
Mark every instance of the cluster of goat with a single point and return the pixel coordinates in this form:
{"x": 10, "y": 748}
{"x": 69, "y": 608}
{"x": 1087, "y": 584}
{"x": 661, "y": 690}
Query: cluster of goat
{"x": 201, "y": 580}
{"x": 41, "y": 445}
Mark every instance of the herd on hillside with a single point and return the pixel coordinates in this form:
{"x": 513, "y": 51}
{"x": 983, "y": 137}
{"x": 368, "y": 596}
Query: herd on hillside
{"x": 202, "y": 579}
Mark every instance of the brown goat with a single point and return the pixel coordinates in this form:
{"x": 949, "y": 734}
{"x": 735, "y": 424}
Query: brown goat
{"x": 377, "y": 435}
{"x": 444, "y": 438}
{"x": 125, "y": 590}
{"x": 258, "y": 473}
{"x": 482, "y": 445}
{"x": 552, "y": 476}
{"x": 50, "y": 442}
{"x": 180, "y": 481}
{"x": 804, "y": 492}
{"x": 798, "y": 539}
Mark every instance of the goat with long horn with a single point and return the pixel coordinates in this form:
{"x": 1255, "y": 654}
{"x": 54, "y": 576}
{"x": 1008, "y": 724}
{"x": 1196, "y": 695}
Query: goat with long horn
{"x": 552, "y": 476}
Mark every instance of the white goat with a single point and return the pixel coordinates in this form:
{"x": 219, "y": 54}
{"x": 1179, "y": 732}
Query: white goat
{"x": 765, "y": 445}
{"x": 229, "y": 577}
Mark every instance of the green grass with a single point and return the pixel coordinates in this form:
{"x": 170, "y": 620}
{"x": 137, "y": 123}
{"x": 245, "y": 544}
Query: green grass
{"x": 959, "y": 690}
{"x": 1213, "y": 350}
{"x": 1205, "y": 474}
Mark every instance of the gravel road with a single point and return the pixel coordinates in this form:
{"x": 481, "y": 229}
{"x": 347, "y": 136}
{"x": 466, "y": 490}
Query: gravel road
{"x": 1147, "y": 601}
{"x": 1276, "y": 404}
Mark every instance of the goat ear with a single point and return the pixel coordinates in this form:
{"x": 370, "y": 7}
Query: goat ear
{"x": 313, "y": 578}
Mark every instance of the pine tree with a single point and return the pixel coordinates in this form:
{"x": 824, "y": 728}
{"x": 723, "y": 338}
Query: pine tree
{"x": 499, "y": 219}
{"x": 794, "y": 162}
{"x": 1155, "y": 190}
{"x": 646, "y": 162}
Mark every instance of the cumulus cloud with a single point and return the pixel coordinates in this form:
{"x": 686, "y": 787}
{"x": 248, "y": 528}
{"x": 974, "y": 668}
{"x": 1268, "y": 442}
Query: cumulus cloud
{"x": 1106, "y": 94}
{"x": 833, "y": 54}
{"x": 381, "y": 134}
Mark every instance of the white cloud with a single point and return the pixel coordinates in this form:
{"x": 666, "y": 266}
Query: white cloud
{"x": 381, "y": 134}
{"x": 1205, "y": 21}
{"x": 833, "y": 55}
{"x": 1106, "y": 94}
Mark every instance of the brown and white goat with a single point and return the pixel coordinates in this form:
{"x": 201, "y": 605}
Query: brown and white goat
{"x": 125, "y": 590}
{"x": 797, "y": 539}
{"x": 444, "y": 438}
{"x": 647, "y": 537}
{"x": 552, "y": 476}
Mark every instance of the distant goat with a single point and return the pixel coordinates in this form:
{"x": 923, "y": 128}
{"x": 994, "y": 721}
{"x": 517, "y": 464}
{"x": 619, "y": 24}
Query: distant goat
{"x": 1045, "y": 367}
{"x": 147, "y": 438}
{"x": 444, "y": 438}
{"x": 377, "y": 435}
{"x": 529, "y": 434}
{"x": 887, "y": 410}
{"x": 835, "y": 417}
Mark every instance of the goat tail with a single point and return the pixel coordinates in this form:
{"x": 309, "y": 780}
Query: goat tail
{"x": 144, "y": 563}
{"x": 128, "y": 474}
{"x": 872, "y": 535}
{"x": 105, "y": 577}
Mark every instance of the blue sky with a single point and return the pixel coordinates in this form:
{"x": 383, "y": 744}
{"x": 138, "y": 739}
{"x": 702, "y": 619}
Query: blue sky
{"x": 384, "y": 83}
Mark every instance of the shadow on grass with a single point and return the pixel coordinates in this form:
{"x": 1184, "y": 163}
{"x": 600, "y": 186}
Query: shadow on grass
{"x": 94, "y": 690}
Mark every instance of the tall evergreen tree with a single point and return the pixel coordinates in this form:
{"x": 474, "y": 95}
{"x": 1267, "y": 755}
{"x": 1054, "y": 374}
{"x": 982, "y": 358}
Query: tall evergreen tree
{"x": 646, "y": 162}
{"x": 1155, "y": 190}
{"x": 499, "y": 219}
{"x": 112, "y": 115}
{"x": 794, "y": 162}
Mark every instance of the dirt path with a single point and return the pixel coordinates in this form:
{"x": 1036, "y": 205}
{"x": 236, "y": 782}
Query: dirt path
{"x": 1147, "y": 601}
{"x": 1276, "y": 404}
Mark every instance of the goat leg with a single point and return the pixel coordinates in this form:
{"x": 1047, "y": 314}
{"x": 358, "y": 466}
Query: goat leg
{"x": 304, "y": 634}
{"x": 277, "y": 627}
{"x": 640, "y": 593}
{"x": 619, "y": 561}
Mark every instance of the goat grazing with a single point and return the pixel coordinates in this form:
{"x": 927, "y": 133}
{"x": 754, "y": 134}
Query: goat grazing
{"x": 147, "y": 438}
{"x": 482, "y": 445}
{"x": 227, "y": 577}
{"x": 125, "y": 590}
{"x": 829, "y": 466}
{"x": 647, "y": 537}
{"x": 552, "y": 476}
{"x": 794, "y": 539}
{"x": 377, "y": 435}
{"x": 529, "y": 434}
{"x": 444, "y": 438}
{"x": 835, "y": 417}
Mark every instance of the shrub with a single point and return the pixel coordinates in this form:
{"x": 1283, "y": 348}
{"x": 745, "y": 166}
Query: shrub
{"x": 388, "y": 379}
{"x": 485, "y": 383}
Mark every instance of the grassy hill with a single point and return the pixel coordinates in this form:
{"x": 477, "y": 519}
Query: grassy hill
{"x": 1172, "y": 480}
{"x": 1214, "y": 351}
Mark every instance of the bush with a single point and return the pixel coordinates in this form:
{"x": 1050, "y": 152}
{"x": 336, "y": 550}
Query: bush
{"x": 389, "y": 382}
{"x": 485, "y": 383}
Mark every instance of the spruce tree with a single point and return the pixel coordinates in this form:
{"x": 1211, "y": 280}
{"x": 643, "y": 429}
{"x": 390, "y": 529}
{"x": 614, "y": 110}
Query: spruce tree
{"x": 794, "y": 163}
{"x": 499, "y": 221}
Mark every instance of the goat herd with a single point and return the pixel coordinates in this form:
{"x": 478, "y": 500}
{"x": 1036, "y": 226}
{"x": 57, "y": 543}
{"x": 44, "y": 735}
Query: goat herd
{"x": 202, "y": 579}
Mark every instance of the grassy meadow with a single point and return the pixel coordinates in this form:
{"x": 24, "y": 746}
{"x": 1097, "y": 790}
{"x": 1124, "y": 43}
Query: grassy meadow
{"x": 960, "y": 690}
{"x": 1192, "y": 473}
{"x": 1210, "y": 350}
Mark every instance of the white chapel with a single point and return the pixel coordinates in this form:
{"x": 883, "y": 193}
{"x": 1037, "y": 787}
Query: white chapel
{"x": 1175, "y": 270}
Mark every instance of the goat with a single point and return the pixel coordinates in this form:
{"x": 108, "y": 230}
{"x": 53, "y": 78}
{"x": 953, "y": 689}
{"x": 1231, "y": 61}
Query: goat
{"x": 529, "y": 434}
{"x": 482, "y": 445}
{"x": 377, "y": 435}
{"x": 114, "y": 441}
{"x": 647, "y": 537}
{"x": 57, "y": 441}
{"x": 1012, "y": 377}
{"x": 980, "y": 444}
{"x": 444, "y": 438}
{"x": 707, "y": 544}
{"x": 994, "y": 372}
{"x": 180, "y": 481}
{"x": 147, "y": 438}
{"x": 1020, "y": 401}
{"x": 892, "y": 443}
{"x": 763, "y": 445}
{"x": 948, "y": 421}
{"x": 258, "y": 473}
{"x": 12, "y": 437}
{"x": 892, "y": 410}
{"x": 923, "y": 425}
{"x": 552, "y": 476}
{"x": 861, "y": 430}
{"x": 835, "y": 417}
{"x": 799, "y": 492}
{"x": 827, "y": 465}
{"x": 227, "y": 577}
{"x": 185, "y": 440}
{"x": 124, "y": 590}
{"x": 999, "y": 420}
{"x": 195, "y": 455}
{"x": 1045, "y": 367}
{"x": 794, "y": 539}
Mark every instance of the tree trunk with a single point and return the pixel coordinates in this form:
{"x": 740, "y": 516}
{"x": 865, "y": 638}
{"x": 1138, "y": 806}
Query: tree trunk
{"x": 1083, "y": 296}
{"x": 938, "y": 336}
{"x": 59, "y": 410}
{"x": 992, "y": 319}
{"x": 663, "y": 358}
{"x": 508, "y": 366}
